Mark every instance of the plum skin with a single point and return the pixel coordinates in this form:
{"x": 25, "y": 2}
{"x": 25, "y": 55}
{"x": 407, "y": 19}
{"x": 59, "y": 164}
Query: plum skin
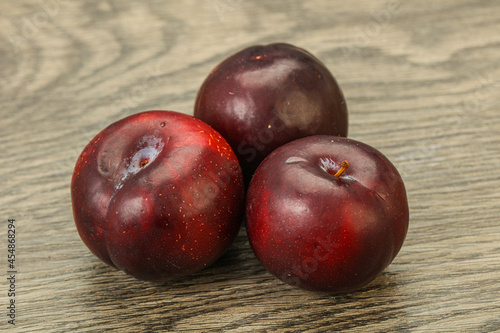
{"x": 325, "y": 233}
{"x": 267, "y": 95}
{"x": 158, "y": 194}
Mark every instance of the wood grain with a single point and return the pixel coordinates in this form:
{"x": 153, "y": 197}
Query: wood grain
{"x": 422, "y": 83}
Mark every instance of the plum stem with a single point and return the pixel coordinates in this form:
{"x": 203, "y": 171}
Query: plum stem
{"x": 144, "y": 162}
{"x": 344, "y": 167}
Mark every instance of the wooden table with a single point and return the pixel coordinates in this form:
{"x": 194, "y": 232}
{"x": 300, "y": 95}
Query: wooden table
{"x": 422, "y": 83}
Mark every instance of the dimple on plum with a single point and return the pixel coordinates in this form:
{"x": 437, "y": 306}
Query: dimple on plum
{"x": 158, "y": 195}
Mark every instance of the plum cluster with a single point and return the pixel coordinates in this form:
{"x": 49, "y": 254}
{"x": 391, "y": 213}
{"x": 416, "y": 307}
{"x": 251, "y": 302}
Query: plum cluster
{"x": 162, "y": 194}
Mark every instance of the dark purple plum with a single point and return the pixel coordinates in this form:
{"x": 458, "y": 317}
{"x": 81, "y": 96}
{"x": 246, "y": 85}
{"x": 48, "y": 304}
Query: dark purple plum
{"x": 265, "y": 96}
